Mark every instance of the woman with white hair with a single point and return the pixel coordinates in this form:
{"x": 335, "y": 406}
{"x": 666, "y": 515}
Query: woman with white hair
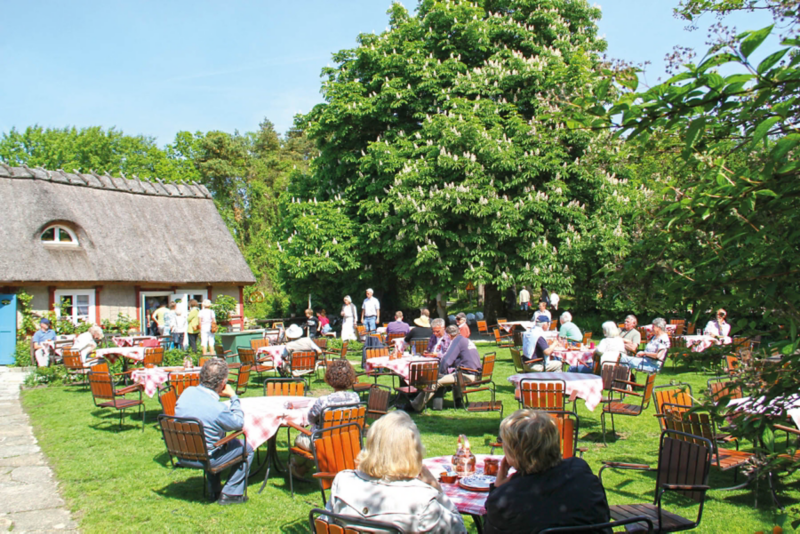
{"x": 391, "y": 484}
{"x": 610, "y": 349}
{"x": 652, "y": 358}
{"x": 349, "y": 315}
{"x": 207, "y": 318}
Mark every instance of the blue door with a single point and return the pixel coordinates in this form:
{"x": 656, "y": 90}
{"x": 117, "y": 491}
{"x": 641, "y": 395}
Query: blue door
{"x": 8, "y": 328}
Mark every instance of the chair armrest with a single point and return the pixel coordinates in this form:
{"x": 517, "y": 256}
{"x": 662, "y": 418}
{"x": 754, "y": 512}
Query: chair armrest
{"x": 626, "y": 392}
{"x": 532, "y": 361}
{"x": 298, "y": 428}
{"x": 324, "y": 475}
{"x": 470, "y": 370}
{"x": 623, "y": 465}
{"x": 627, "y": 382}
{"x": 790, "y": 430}
{"x": 685, "y": 487}
{"x": 129, "y": 389}
{"x": 377, "y": 411}
{"x": 229, "y": 438}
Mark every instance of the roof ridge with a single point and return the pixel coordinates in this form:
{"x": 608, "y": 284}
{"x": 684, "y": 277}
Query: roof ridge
{"x": 134, "y": 186}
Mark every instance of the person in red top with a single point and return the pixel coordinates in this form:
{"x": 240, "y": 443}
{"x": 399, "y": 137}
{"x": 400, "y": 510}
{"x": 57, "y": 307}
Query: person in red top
{"x": 463, "y": 327}
{"x": 324, "y": 322}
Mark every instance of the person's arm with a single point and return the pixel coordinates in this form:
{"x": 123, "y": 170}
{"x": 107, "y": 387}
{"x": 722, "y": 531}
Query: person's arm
{"x": 362, "y": 312}
{"x": 232, "y": 418}
{"x": 378, "y": 313}
{"x": 502, "y": 473}
{"x": 316, "y": 409}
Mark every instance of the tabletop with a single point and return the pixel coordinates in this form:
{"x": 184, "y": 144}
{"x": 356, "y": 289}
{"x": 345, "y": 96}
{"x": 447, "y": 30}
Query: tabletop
{"x": 129, "y": 341}
{"x": 263, "y": 416}
{"x": 700, "y": 342}
{"x": 467, "y": 502}
{"x": 111, "y": 354}
{"x": 399, "y": 366}
{"x": 151, "y": 378}
{"x": 273, "y": 351}
{"x": 575, "y": 356}
{"x": 586, "y": 386}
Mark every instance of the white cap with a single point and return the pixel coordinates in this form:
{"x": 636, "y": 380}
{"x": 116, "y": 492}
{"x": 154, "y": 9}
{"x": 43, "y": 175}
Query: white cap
{"x": 294, "y": 332}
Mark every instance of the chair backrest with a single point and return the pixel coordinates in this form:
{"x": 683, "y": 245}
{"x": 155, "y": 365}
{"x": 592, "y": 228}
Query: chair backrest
{"x": 695, "y": 424}
{"x": 679, "y": 329}
{"x": 72, "y": 359}
{"x": 740, "y": 343}
{"x": 344, "y": 348}
{"x": 242, "y": 378}
{"x": 649, "y": 384}
{"x": 181, "y": 381}
{"x": 377, "y": 402}
{"x": 391, "y": 337}
{"x": 690, "y": 329}
{"x": 184, "y": 438}
{"x": 202, "y": 361}
{"x": 423, "y": 375}
{"x": 377, "y": 352}
{"x": 342, "y": 415}
{"x": 168, "y": 398}
{"x": 219, "y": 351}
{"x": 679, "y": 394}
{"x": 258, "y": 343}
{"x": 721, "y": 388}
{"x": 325, "y": 522}
{"x": 642, "y": 333}
{"x": 247, "y": 355}
{"x": 321, "y": 342}
{"x": 568, "y": 425}
{"x": 516, "y": 357}
{"x": 587, "y": 337}
{"x": 542, "y": 394}
{"x": 101, "y": 385}
{"x": 731, "y": 361}
{"x": 677, "y": 321}
{"x": 497, "y": 337}
{"x": 611, "y": 372}
{"x": 420, "y": 344}
{"x": 153, "y": 356}
{"x": 302, "y": 361}
{"x": 500, "y": 321}
{"x": 361, "y": 330}
{"x": 100, "y": 367}
{"x": 684, "y": 459}
{"x": 483, "y": 328}
{"x": 335, "y": 449}
{"x": 487, "y": 367}
{"x": 640, "y": 521}
{"x": 288, "y": 387}
{"x": 677, "y": 341}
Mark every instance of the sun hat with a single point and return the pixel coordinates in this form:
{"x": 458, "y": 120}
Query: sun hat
{"x": 294, "y": 332}
{"x": 422, "y": 322}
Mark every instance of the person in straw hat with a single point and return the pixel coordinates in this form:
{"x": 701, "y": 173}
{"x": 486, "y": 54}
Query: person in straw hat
{"x": 422, "y": 327}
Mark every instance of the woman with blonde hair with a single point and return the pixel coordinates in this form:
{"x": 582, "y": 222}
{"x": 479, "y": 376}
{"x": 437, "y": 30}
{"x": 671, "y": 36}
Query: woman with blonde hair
{"x": 546, "y": 491}
{"x": 391, "y": 484}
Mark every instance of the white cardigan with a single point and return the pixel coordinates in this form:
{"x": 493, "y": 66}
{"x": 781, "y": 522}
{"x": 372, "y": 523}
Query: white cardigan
{"x": 412, "y": 505}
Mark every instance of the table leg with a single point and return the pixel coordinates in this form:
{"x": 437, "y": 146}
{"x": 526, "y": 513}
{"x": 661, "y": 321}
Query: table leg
{"x": 478, "y": 520}
{"x": 271, "y": 458}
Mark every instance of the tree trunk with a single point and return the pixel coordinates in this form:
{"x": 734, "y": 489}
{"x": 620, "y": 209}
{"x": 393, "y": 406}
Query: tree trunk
{"x": 492, "y": 303}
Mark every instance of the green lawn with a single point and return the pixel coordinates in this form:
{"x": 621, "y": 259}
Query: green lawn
{"x": 121, "y": 480}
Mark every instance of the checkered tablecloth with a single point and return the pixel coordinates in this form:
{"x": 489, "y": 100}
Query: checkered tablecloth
{"x": 578, "y": 385}
{"x": 467, "y": 502}
{"x": 574, "y": 357}
{"x": 130, "y": 341}
{"x": 399, "y": 366}
{"x": 150, "y": 379}
{"x": 263, "y": 416}
{"x": 527, "y": 325}
{"x": 699, "y": 343}
{"x": 671, "y": 328}
{"x": 112, "y": 354}
{"x": 273, "y": 351}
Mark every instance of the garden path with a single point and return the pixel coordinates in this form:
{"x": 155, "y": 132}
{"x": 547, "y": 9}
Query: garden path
{"x": 29, "y": 497}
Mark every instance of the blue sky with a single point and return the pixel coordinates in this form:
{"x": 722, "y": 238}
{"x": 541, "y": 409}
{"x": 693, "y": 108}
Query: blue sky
{"x": 155, "y": 68}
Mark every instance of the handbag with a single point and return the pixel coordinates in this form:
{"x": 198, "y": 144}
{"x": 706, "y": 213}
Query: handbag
{"x": 214, "y": 327}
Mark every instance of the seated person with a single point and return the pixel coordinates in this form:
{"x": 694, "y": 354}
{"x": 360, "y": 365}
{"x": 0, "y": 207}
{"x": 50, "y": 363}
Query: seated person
{"x": 542, "y": 315}
{"x": 652, "y": 358}
{"x": 391, "y": 484}
{"x": 546, "y": 491}
{"x": 398, "y": 326}
{"x": 202, "y": 402}
{"x": 324, "y": 323}
{"x": 421, "y": 329}
{"x": 534, "y": 347}
{"x": 609, "y": 350}
{"x": 311, "y": 325}
{"x": 569, "y": 331}
{"x": 439, "y": 341}
{"x": 87, "y": 342}
{"x": 718, "y": 327}
{"x": 631, "y": 336}
{"x": 296, "y": 343}
{"x": 341, "y": 376}
{"x": 41, "y": 351}
{"x": 461, "y": 353}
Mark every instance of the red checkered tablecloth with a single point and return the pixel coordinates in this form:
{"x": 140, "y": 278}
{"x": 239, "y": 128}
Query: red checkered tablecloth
{"x": 574, "y": 357}
{"x": 699, "y": 343}
{"x": 112, "y": 354}
{"x": 130, "y": 341}
{"x": 273, "y": 351}
{"x": 467, "y": 502}
{"x": 151, "y": 379}
{"x": 263, "y": 416}
{"x": 578, "y": 385}
{"x": 399, "y": 366}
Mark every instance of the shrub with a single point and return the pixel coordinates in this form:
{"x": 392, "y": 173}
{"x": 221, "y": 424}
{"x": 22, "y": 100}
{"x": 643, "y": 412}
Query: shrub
{"x": 22, "y": 354}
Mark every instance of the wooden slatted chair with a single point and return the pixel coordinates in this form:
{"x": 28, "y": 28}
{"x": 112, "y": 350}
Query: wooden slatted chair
{"x": 501, "y": 320}
{"x": 602, "y": 527}
{"x": 554, "y": 325}
{"x": 610, "y": 373}
{"x": 542, "y": 394}
{"x": 256, "y": 344}
{"x": 723, "y": 388}
{"x": 422, "y": 377}
{"x": 378, "y": 401}
{"x": 321, "y": 342}
{"x": 248, "y": 357}
{"x": 185, "y": 441}
{"x": 516, "y": 357}
{"x": 568, "y": 426}
{"x": 683, "y": 468}
{"x": 180, "y": 381}
{"x": 106, "y": 395}
{"x": 202, "y": 361}
{"x": 361, "y": 332}
{"x": 674, "y": 394}
{"x": 679, "y": 329}
{"x": 325, "y": 522}
{"x": 335, "y": 449}
{"x": 330, "y": 417}
{"x": 287, "y": 387}
{"x": 503, "y": 341}
{"x": 467, "y": 388}
{"x": 220, "y": 352}
{"x": 241, "y": 378}
{"x": 690, "y": 328}
{"x": 370, "y": 353}
{"x": 391, "y": 337}
{"x": 153, "y": 356}
{"x": 483, "y": 328}
{"x": 74, "y": 365}
{"x": 302, "y": 364}
{"x": 168, "y": 398}
{"x": 587, "y": 337}
{"x": 420, "y": 344}
{"x": 618, "y": 407}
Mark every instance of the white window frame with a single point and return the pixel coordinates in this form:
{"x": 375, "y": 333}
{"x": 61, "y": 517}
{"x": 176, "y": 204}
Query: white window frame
{"x": 60, "y": 228}
{"x": 74, "y": 293}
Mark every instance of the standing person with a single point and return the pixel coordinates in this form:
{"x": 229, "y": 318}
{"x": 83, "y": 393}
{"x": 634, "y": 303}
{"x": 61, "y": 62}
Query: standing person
{"x": 631, "y": 336}
{"x": 463, "y": 327}
{"x": 152, "y": 325}
{"x": 40, "y": 351}
{"x": 207, "y": 317}
{"x": 349, "y": 315}
{"x": 524, "y": 299}
{"x": 194, "y": 324}
{"x": 398, "y": 326}
{"x": 179, "y": 326}
{"x": 370, "y": 312}
{"x": 312, "y": 324}
{"x": 158, "y": 317}
{"x": 169, "y": 320}
{"x": 202, "y": 402}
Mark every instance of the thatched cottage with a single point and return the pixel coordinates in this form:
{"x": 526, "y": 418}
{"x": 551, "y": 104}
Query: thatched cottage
{"x": 100, "y": 246}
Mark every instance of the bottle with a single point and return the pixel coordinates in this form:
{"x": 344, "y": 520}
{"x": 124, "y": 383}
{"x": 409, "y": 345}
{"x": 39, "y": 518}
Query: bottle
{"x": 413, "y": 349}
{"x": 463, "y": 459}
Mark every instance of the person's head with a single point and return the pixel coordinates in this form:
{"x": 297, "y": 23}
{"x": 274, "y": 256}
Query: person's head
{"x": 610, "y": 329}
{"x": 424, "y": 312}
{"x": 193, "y": 303}
{"x": 452, "y": 331}
{"x": 347, "y": 300}
{"x": 659, "y": 325}
{"x": 45, "y": 324}
{"x": 461, "y": 318}
{"x": 566, "y": 317}
{"x": 630, "y": 322}
{"x": 294, "y": 332}
{"x": 542, "y": 305}
{"x": 214, "y": 374}
{"x": 206, "y": 303}
{"x": 721, "y": 314}
{"x": 530, "y": 441}
{"x": 393, "y": 450}
{"x": 437, "y": 325}
{"x": 97, "y": 333}
{"x": 178, "y": 312}
{"x": 398, "y": 316}
{"x": 162, "y": 304}
{"x": 172, "y": 305}
{"x": 322, "y": 313}
{"x": 369, "y": 293}
{"x": 309, "y": 313}
{"x": 340, "y": 375}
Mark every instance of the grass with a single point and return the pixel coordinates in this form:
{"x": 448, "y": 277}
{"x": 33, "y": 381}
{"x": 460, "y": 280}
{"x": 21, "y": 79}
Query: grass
{"x": 122, "y": 481}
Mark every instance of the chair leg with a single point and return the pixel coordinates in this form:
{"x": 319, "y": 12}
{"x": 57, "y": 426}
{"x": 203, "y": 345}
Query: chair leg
{"x": 603, "y": 426}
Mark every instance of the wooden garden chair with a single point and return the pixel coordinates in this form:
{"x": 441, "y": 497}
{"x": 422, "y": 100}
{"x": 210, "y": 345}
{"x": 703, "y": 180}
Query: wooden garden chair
{"x": 610, "y": 373}
{"x": 503, "y": 341}
{"x": 602, "y": 527}
{"x": 361, "y": 332}
{"x": 568, "y": 426}
{"x": 723, "y": 388}
{"x": 587, "y": 338}
{"x": 420, "y": 344}
{"x": 168, "y": 398}
{"x": 256, "y": 344}
{"x": 286, "y": 387}
{"x": 683, "y": 468}
{"x": 391, "y": 337}
{"x": 302, "y": 364}
{"x": 240, "y": 379}
{"x": 542, "y": 394}
{"x": 325, "y": 522}
{"x": 516, "y": 357}
{"x": 617, "y": 407}
{"x": 483, "y": 329}
{"x": 181, "y": 380}
{"x": 470, "y": 388}
{"x": 674, "y": 394}
{"x": 106, "y": 395}
{"x": 248, "y": 357}
{"x": 74, "y": 365}
{"x": 335, "y": 449}
{"x": 378, "y": 401}
{"x": 422, "y": 378}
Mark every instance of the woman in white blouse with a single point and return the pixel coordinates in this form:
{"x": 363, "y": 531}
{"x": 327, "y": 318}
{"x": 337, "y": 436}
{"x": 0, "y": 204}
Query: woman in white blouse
{"x": 718, "y": 327}
{"x": 349, "y": 316}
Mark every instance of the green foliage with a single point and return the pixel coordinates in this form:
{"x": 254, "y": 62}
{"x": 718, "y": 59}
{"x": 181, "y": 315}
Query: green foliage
{"x": 29, "y": 323}
{"x": 48, "y": 376}
{"x": 223, "y": 306}
{"x": 123, "y": 324}
{"x": 22, "y": 353}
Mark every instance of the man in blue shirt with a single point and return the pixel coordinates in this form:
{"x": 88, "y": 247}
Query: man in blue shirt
{"x": 40, "y": 351}
{"x": 535, "y": 347}
{"x": 202, "y": 403}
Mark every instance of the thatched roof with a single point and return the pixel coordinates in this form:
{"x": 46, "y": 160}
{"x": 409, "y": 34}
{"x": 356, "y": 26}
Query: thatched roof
{"x": 128, "y": 231}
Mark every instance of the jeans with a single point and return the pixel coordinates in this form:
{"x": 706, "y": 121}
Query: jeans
{"x": 369, "y": 323}
{"x": 525, "y": 306}
{"x": 647, "y": 365}
{"x": 581, "y": 368}
{"x": 177, "y": 340}
{"x": 238, "y": 477}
